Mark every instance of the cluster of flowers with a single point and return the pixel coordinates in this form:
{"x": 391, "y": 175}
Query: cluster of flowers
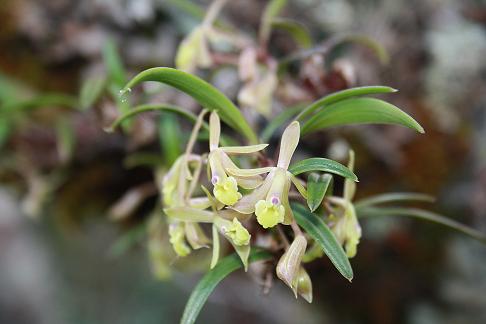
{"x": 239, "y": 193}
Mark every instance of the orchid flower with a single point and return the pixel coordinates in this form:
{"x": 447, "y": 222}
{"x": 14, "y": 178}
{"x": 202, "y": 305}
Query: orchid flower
{"x": 226, "y": 222}
{"x": 270, "y": 201}
{"x": 343, "y": 221}
{"x": 291, "y": 272}
{"x": 177, "y": 188}
{"x": 226, "y": 187}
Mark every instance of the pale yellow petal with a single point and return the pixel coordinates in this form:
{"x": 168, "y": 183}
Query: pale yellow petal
{"x": 248, "y": 172}
{"x": 298, "y": 184}
{"x": 189, "y": 214}
{"x": 246, "y": 205}
{"x": 214, "y": 130}
{"x": 288, "y": 144}
{"x": 243, "y": 149}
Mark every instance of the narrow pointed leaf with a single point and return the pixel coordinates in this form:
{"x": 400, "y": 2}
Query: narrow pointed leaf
{"x": 322, "y": 164}
{"x": 393, "y": 197}
{"x": 320, "y": 232}
{"x": 204, "y": 93}
{"x": 211, "y": 279}
{"x": 317, "y": 186}
{"x": 359, "y": 111}
{"x": 425, "y": 215}
{"x": 341, "y": 95}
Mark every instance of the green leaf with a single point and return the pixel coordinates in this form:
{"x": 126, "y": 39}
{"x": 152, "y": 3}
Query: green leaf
{"x": 317, "y": 186}
{"x": 359, "y": 111}
{"x": 152, "y": 107}
{"x": 322, "y": 164}
{"x": 341, "y": 95}
{"x": 211, "y": 279}
{"x": 320, "y": 232}
{"x": 297, "y": 30}
{"x": 278, "y": 121}
{"x": 114, "y": 65}
{"x": 204, "y": 93}
{"x": 91, "y": 90}
{"x": 393, "y": 197}
{"x": 422, "y": 214}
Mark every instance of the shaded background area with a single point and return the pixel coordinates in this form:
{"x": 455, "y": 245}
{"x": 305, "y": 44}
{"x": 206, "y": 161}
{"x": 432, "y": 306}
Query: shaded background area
{"x": 63, "y": 267}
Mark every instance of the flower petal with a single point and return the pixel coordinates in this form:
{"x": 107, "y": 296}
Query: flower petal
{"x": 298, "y": 184}
{"x": 289, "y": 264}
{"x": 288, "y": 144}
{"x": 246, "y": 205}
{"x": 289, "y": 215}
{"x": 246, "y": 182}
{"x": 189, "y": 214}
{"x": 243, "y": 149}
{"x": 200, "y": 202}
{"x": 226, "y": 191}
{"x": 195, "y": 235}
{"x": 350, "y": 185}
{"x": 248, "y": 172}
{"x": 215, "y": 257}
{"x": 214, "y": 131}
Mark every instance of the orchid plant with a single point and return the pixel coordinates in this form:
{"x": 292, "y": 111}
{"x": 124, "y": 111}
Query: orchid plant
{"x": 263, "y": 207}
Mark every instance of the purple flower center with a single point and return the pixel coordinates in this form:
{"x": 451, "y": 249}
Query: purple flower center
{"x": 214, "y": 180}
{"x": 275, "y": 200}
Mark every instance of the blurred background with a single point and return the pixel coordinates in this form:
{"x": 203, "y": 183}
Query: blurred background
{"x": 64, "y": 260}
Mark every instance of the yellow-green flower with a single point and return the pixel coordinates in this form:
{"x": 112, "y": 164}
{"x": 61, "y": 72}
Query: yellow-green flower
{"x": 343, "y": 221}
{"x": 226, "y": 190}
{"x": 270, "y": 201}
{"x": 289, "y": 264}
{"x": 237, "y": 233}
{"x": 177, "y": 187}
{"x": 269, "y": 213}
{"x": 178, "y": 239}
{"x": 227, "y": 222}
{"x": 226, "y": 187}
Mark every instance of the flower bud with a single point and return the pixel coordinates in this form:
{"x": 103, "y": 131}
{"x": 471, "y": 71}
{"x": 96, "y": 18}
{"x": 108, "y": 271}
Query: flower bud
{"x": 289, "y": 264}
{"x": 303, "y": 285}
